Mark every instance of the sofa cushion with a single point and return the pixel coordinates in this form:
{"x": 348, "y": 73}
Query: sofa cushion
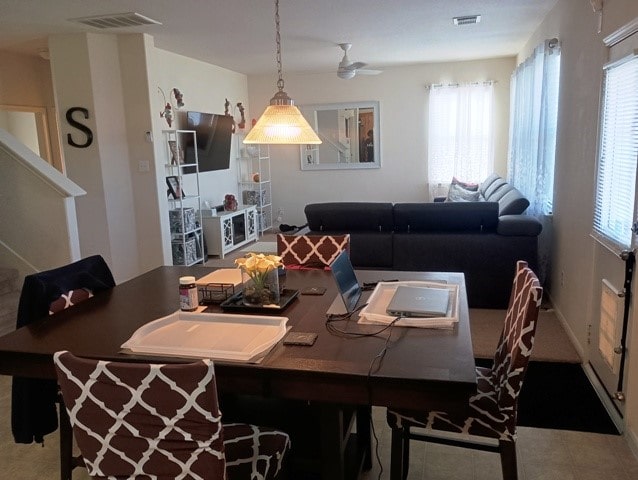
{"x": 493, "y": 188}
{"x": 487, "y": 182}
{"x": 522, "y": 225}
{"x": 349, "y": 217}
{"x": 446, "y": 217}
{"x": 510, "y": 202}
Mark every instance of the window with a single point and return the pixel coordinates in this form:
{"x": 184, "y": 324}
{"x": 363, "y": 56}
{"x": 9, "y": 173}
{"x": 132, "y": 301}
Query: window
{"x": 461, "y": 137}
{"x": 617, "y": 154}
{"x": 533, "y": 121}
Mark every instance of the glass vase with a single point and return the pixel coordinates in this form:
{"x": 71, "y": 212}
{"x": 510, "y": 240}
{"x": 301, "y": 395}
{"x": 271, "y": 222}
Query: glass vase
{"x": 260, "y": 290}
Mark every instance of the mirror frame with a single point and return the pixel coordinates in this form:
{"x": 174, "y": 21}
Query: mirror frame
{"x": 310, "y": 113}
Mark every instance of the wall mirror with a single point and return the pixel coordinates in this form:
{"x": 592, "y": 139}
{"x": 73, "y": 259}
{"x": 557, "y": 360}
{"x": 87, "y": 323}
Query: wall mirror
{"x": 350, "y": 136}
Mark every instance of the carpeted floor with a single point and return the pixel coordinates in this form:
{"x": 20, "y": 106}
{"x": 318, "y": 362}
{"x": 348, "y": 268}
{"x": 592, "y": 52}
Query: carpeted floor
{"x": 559, "y": 395}
{"x": 552, "y": 344}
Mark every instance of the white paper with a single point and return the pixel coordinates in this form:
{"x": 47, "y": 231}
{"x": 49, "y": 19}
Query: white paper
{"x": 375, "y": 311}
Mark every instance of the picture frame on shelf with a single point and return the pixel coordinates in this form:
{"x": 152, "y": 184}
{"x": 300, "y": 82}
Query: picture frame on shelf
{"x": 177, "y": 154}
{"x": 174, "y": 187}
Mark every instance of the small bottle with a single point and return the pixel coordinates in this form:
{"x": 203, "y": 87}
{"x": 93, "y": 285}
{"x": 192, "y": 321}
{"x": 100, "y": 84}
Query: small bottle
{"x": 188, "y": 294}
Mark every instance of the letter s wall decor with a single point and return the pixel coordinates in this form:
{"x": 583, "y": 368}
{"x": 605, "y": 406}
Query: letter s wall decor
{"x": 87, "y": 131}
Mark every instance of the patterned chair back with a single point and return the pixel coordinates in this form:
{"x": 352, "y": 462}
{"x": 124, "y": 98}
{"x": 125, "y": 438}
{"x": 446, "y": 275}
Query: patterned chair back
{"x": 516, "y": 342}
{"x": 133, "y": 420}
{"x": 33, "y": 406}
{"x": 311, "y": 251}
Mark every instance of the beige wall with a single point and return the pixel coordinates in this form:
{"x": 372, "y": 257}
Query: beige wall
{"x": 402, "y": 95}
{"x": 575, "y": 254}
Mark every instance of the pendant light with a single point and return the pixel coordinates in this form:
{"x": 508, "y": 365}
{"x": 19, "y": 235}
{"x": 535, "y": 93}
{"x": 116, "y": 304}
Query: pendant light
{"x": 281, "y": 122}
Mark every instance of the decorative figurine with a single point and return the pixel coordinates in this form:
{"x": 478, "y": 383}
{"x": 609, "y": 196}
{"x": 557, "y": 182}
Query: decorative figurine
{"x": 179, "y": 97}
{"x": 242, "y": 122}
{"x": 167, "y": 114}
{"x": 230, "y": 202}
{"x": 227, "y": 113}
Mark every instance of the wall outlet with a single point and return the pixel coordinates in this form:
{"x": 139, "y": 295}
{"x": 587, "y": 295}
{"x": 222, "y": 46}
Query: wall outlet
{"x": 562, "y": 278}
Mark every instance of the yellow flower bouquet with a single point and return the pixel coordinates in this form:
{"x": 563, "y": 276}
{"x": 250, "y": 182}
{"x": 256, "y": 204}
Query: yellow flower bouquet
{"x": 260, "y": 278}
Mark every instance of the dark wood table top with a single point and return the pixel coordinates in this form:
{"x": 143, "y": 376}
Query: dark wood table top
{"x": 420, "y": 365}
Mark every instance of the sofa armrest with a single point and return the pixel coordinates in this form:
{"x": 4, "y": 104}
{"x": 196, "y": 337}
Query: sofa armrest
{"x": 521, "y": 225}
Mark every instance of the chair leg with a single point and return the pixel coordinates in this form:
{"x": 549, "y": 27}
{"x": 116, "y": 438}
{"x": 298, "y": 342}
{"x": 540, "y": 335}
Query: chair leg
{"x": 508, "y": 460}
{"x": 66, "y": 444}
{"x": 399, "y": 457}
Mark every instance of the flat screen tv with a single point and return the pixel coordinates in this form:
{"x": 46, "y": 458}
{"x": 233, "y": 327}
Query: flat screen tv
{"x": 214, "y": 134}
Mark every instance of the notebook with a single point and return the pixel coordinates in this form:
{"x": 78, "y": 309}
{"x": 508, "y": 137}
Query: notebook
{"x": 347, "y": 284}
{"x": 419, "y": 302}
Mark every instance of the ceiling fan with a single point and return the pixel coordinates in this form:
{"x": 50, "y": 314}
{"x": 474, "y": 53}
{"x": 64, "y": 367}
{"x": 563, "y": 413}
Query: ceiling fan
{"x": 348, "y": 69}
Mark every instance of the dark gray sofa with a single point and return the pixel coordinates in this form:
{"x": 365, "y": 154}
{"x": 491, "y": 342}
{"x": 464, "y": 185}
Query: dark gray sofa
{"x": 482, "y": 239}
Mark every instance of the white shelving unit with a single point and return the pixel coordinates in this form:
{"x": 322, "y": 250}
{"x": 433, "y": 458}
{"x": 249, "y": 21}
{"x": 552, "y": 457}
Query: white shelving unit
{"x": 254, "y": 180}
{"x": 184, "y": 214}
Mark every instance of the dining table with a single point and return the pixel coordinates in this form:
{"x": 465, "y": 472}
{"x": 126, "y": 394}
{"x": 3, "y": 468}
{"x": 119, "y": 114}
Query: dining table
{"x": 349, "y": 368}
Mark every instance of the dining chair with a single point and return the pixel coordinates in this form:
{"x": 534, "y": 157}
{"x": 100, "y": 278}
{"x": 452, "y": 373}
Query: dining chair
{"x": 151, "y": 420}
{"x": 308, "y": 252}
{"x": 35, "y": 402}
{"x": 491, "y": 412}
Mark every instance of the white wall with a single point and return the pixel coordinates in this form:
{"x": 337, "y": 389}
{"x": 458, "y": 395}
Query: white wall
{"x": 574, "y": 252}
{"x": 402, "y": 95}
{"x": 205, "y": 88}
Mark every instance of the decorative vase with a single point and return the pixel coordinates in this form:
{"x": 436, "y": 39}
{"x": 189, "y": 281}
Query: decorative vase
{"x": 260, "y": 290}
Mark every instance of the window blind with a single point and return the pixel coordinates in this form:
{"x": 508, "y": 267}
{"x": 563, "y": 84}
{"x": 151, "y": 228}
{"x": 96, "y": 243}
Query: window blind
{"x": 614, "y": 210}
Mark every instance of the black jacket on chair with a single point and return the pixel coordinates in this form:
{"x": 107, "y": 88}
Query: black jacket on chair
{"x": 33, "y": 401}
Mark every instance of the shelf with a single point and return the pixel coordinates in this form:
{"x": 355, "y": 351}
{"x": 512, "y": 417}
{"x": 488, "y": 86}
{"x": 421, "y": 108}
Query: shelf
{"x": 185, "y": 218}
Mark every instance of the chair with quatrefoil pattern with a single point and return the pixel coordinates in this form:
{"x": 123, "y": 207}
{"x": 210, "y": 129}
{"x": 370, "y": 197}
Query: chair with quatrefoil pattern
{"x": 491, "y": 412}
{"x": 33, "y": 402}
{"x": 147, "y": 420}
{"x": 306, "y": 252}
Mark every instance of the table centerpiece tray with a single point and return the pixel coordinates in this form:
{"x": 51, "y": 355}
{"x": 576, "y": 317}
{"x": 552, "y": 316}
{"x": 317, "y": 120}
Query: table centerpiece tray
{"x": 236, "y": 303}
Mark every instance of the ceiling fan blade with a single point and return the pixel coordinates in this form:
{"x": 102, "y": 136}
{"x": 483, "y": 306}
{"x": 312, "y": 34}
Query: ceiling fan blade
{"x": 356, "y": 65}
{"x": 368, "y": 71}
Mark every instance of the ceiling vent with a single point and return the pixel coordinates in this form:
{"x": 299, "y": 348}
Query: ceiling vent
{"x": 116, "y": 20}
{"x": 467, "y": 20}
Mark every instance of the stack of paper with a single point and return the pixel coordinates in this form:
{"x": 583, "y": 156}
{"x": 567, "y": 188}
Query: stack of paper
{"x": 375, "y": 310}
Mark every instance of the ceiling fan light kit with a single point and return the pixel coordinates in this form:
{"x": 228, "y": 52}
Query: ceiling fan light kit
{"x": 281, "y": 122}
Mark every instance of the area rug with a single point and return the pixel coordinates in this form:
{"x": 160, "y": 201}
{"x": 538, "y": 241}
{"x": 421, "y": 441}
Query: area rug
{"x": 559, "y": 395}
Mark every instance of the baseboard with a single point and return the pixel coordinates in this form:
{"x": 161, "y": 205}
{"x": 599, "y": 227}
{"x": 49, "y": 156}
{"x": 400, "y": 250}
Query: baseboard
{"x": 570, "y": 333}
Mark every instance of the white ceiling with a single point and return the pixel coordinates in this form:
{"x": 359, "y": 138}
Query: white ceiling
{"x": 240, "y": 34}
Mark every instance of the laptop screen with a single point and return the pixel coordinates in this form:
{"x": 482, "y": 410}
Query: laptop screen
{"x": 346, "y": 279}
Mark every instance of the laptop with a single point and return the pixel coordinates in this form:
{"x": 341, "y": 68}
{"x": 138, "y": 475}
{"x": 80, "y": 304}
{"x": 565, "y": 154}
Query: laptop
{"x": 347, "y": 284}
{"x": 409, "y": 301}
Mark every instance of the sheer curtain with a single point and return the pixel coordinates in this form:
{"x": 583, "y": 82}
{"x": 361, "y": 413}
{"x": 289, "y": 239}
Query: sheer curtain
{"x": 460, "y": 133}
{"x": 532, "y": 142}
{"x": 533, "y": 116}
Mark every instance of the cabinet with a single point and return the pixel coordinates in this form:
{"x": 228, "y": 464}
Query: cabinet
{"x": 254, "y": 180}
{"x": 228, "y": 231}
{"x": 184, "y": 209}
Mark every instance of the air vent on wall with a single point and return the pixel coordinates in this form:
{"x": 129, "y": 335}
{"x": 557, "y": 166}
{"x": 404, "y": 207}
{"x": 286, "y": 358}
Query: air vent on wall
{"x": 467, "y": 20}
{"x": 116, "y": 20}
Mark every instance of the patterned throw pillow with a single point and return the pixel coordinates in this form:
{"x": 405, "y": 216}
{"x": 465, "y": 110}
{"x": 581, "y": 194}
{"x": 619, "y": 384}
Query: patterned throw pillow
{"x": 68, "y": 299}
{"x": 473, "y": 187}
{"x": 311, "y": 251}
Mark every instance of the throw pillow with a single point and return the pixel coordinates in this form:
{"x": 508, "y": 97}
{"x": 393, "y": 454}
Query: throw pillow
{"x": 311, "y": 251}
{"x": 466, "y": 185}
{"x": 459, "y": 194}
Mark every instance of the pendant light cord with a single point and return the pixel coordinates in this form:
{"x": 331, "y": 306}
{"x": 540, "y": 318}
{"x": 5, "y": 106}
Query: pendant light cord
{"x": 280, "y": 82}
